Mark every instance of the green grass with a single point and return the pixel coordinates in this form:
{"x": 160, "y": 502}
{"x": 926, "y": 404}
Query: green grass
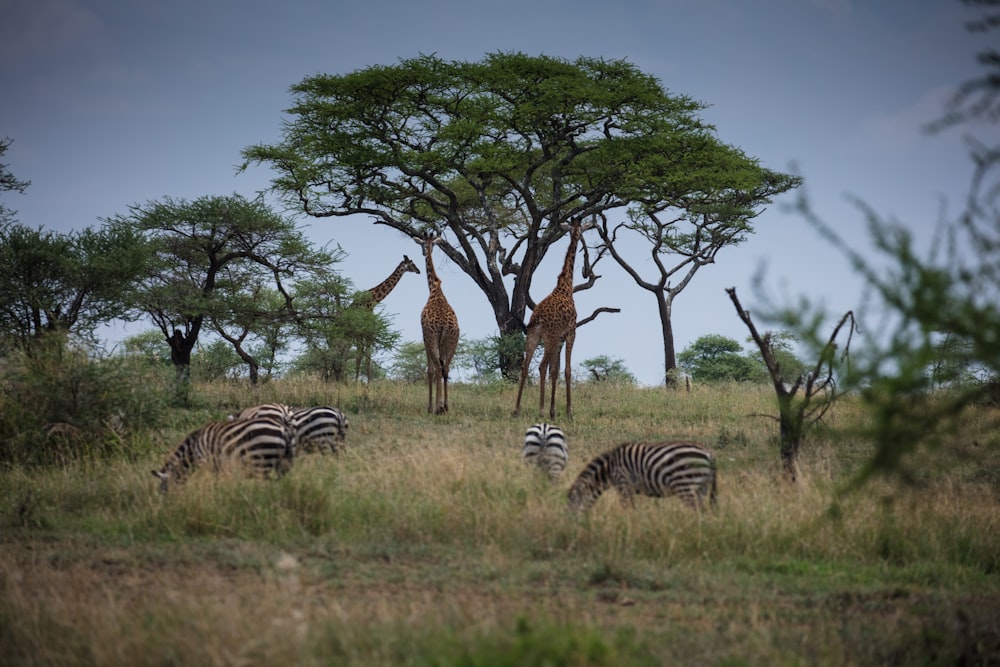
{"x": 427, "y": 542}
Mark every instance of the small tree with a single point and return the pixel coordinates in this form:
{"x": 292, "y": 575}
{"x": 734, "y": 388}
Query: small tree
{"x": 66, "y": 284}
{"x": 208, "y": 252}
{"x": 9, "y": 183}
{"x": 950, "y": 292}
{"x": 608, "y": 370}
{"x": 716, "y": 358}
{"x": 410, "y": 364}
{"x": 804, "y": 396}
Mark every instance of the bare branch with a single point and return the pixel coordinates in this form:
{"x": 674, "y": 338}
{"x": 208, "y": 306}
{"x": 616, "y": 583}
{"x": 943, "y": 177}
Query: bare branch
{"x": 602, "y": 309}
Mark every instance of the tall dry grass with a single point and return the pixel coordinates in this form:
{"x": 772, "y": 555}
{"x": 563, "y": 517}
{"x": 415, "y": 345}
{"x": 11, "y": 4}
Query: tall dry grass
{"x": 428, "y": 542}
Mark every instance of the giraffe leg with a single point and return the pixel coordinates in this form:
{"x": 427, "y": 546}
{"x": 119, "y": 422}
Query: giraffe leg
{"x": 445, "y": 370}
{"x": 554, "y": 380}
{"x": 432, "y": 374}
{"x": 543, "y": 371}
{"x": 530, "y": 345}
{"x": 570, "y": 339}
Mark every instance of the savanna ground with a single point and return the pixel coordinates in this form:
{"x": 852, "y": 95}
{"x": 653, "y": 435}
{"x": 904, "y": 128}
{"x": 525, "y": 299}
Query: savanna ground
{"x": 428, "y": 542}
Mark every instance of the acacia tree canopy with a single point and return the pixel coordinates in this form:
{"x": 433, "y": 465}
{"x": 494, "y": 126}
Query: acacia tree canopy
{"x": 69, "y": 283}
{"x": 499, "y": 152}
{"x": 209, "y": 252}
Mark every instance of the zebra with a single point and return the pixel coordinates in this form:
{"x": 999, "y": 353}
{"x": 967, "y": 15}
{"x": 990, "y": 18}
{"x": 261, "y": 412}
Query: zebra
{"x": 262, "y": 446}
{"x": 321, "y": 428}
{"x": 278, "y": 411}
{"x": 657, "y": 469}
{"x": 545, "y": 447}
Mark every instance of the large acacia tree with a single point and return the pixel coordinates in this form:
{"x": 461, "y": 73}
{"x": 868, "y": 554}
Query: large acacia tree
{"x": 499, "y": 152}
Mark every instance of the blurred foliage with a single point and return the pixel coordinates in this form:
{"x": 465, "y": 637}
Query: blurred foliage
{"x": 934, "y": 350}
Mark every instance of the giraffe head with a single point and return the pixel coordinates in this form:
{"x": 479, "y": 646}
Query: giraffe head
{"x": 407, "y": 265}
{"x": 576, "y": 227}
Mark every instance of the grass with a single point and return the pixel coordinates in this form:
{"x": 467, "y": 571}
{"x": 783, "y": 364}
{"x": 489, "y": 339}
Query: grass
{"x": 427, "y": 542}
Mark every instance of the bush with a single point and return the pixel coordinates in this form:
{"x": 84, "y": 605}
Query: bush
{"x": 62, "y": 403}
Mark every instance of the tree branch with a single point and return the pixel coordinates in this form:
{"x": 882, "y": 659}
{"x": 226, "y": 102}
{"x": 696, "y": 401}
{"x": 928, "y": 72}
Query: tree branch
{"x": 602, "y": 309}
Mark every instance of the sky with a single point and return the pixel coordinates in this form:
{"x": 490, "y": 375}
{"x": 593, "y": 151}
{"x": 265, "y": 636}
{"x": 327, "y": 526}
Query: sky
{"x": 112, "y": 103}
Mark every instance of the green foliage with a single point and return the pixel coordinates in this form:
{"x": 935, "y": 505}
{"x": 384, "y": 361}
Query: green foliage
{"x": 410, "y": 364}
{"x": 936, "y": 352}
{"x": 69, "y": 283}
{"x": 487, "y": 359}
{"x": 327, "y": 331}
{"x": 61, "y": 404}
{"x": 216, "y": 361}
{"x": 214, "y": 258}
{"x": 149, "y": 347}
{"x": 606, "y": 369}
{"x": 716, "y": 358}
{"x": 8, "y": 183}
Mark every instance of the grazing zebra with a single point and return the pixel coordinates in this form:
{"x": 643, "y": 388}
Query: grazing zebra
{"x": 320, "y": 428}
{"x": 545, "y": 447}
{"x": 682, "y": 469}
{"x": 262, "y": 446}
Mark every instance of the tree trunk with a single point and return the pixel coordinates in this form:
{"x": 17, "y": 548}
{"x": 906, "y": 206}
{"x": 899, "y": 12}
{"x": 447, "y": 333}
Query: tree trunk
{"x": 790, "y": 421}
{"x": 509, "y": 325}
{"x": 665, "y": 304}
{"x": 180, "y": 355}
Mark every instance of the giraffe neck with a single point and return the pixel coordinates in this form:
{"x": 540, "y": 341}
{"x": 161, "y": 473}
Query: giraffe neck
{"x": 433, "y": 282}
{"x": 564, "y": 282}
{"x": 382, "y": 290}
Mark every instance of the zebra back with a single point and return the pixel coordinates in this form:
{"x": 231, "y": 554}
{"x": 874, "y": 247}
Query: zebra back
{"x": 321, "y": 428}
{"x": 658, "y": 469}
{"x": 278, "y": 411}
{"x": 263, "y": 447}
{"x": 545, "y": 447}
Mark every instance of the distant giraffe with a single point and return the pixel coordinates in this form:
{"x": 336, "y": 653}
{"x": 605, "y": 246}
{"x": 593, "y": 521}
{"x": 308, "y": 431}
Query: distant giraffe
{"x": 553, "y": 322}
{"x": 368, "y": 300}
{"x": 440, "y": 327}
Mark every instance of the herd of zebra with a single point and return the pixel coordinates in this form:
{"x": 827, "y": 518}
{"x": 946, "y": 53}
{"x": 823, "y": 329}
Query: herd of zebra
{"x": 265, "y": 439}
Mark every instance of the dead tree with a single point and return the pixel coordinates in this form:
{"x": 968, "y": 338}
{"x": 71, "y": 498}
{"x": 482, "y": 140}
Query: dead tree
{"x": 804, "y": 401}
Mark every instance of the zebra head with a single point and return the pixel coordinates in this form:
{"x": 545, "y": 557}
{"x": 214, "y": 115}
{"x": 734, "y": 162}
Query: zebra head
{"x": 165, "y": 475}
{"x": 581, "y": 496}
{"x": 592, "y": 481}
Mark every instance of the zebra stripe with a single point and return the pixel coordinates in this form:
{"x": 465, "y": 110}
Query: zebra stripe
{"x": 278, "y": 411}
{"x": 659, "y": 469}
{"x": 321, "y": 428}
{"x": 317, "y": 429}
{"x": 545, "y": 447}
{"x": 263, "y": 447}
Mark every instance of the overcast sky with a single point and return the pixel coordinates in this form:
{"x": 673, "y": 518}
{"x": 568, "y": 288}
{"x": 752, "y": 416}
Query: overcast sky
{"x": 111, "y": 103}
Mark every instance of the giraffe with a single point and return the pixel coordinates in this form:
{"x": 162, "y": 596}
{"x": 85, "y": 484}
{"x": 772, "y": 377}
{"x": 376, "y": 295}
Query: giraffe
{"x": 440, "y": 328}
{"x": 553, "y": 322}
{"x": 368, "y": 300}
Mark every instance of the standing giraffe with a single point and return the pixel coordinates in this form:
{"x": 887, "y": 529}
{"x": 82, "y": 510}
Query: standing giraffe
{"x": 368, "y": 300}
{"x": 553, "y": 322}
{"x": 440, "y": 327}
